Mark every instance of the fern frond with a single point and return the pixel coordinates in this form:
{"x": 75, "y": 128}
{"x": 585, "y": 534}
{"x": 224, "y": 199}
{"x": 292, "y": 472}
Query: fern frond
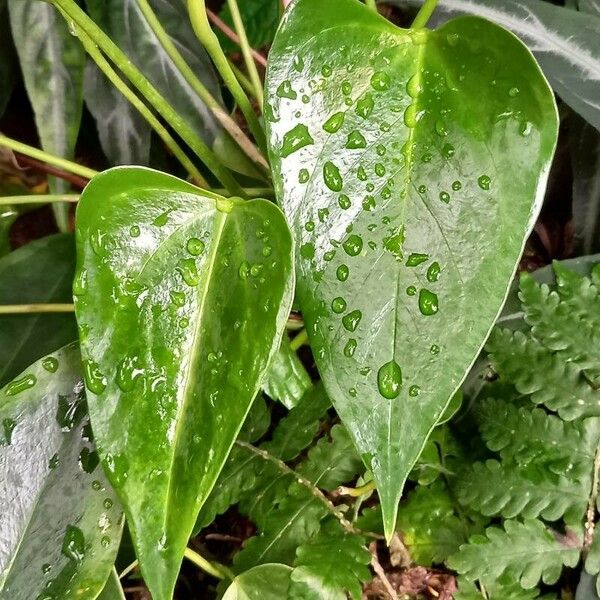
{"x": 509, "y": 490}
{"x": 330, "y": 566}
{"x": 497, "y": 591}
{"x": 293, "y": 516}
{"x": 524, "y": 552}
{"x": 530, "y": 435}
{"x": 430, "y": 528}
{"x": 569, "y": 327}
{"x": 548, "y": 377}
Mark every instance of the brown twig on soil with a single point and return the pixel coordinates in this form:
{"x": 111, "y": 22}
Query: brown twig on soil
{"x": 232, "y": 35}
{"x": 76, "y": 180}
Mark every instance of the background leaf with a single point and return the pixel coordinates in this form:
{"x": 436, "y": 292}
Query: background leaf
{"x": 42, "y": 271}
{"x": 564, "y": 41}
{"x": 394, "y": 172}
{"x": 265, "y": 582}
{"x": 112, "y": 590}
{"x": 60, "y": 520}
{"x": 123, "y": 21}
{"x": 52, "y": 63}
{"x": 181, "y": 300}
{"x": 260, "y": 17}
{"x": 8, "y": 59}
{"x": 124, "y": 134}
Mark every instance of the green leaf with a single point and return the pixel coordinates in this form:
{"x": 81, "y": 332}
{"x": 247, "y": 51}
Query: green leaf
{"x": 112, "y": 590}
{"x": 524, "y": 552}
{"x": 293, "y": 513}
{"x": 287, "y": 380}
{"x": 260, "y": 18}
{"x": 563, "y": 41}
{"x": 563, "y": 325}
{"x": 246, "y": 476}
{"x": 8, "y": 69}
{"x": 42, "y": 271}
{"x": 332, "y": 563}
{"x": 60, "y": 520}
{"x": 495, "y": 590}
{"x": 265, "y": 582}
{"x": 546, "y": 376}
{"x": 52, "y": 62}
{"x": 430, "y": 526}
{"x": 124, "y": 22}
{"x": 525, "y": 435}
{"x": 179, "y": 314}
{"x": 124, "y": 134}
{"x": 395, "y": 148}
{"x": 497, "y": 488}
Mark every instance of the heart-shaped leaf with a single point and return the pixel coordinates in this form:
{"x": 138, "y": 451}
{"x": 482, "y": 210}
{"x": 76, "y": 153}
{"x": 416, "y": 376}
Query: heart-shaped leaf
{"x": 60, "y": 520}
{"x": 181, "y": 300}
{"x": 265, "y": 582}
{"x": 411, "y": 165}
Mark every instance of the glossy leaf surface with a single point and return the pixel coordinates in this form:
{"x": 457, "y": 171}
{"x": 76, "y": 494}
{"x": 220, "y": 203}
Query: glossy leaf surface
{"x": 411, "y": 166}
{"x": 60, "y": 519}
{"x": 52, "y": 62}
{"x": 266, "y": 582}
{"x": 181, "y": 300}
{"x": 564, "y": 41}
{"x": 40, "y": 272}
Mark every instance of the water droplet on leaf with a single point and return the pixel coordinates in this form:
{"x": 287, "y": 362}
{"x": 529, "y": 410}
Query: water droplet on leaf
{"x": 389, "y": 380}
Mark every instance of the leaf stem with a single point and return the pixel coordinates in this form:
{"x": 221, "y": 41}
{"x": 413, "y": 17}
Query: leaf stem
{"x": 357, "y": 492}
{"x": 160, "y": 129}
{"x": 241, "y": 77}
{"x": 128, "y": 569}
{"x": 62, "y": 163}
{"x": 232, "y": 35}
{"x": 149, "y": 92}
{"x": 188, "y": 74}
{"x": 238, "y": 23}
{"x": 38, "y": 199}
{"x": 299, "y": 340}
{"x": 372, "y": 4}
{"x": 316, "y": 492}
{"x": 424, "y": 14}
{"x": 590, "y": 522}
{"x": 215, "y": 569}
{"x": 20, "y": 309}
{"x": 201, "y": 26}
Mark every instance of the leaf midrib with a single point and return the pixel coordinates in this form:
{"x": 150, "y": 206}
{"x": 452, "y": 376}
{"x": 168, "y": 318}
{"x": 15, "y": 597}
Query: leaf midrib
{"x": 203, "y": 292}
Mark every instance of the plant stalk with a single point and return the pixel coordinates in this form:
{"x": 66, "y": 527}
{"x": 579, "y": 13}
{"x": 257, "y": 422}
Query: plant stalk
{"x": 21, "y": 309}
{"x": 120, "y": 85}
{"x": 241, "y": 77}
{"x": 62, "y": 163}
{"x": 201, "y": 26}
{"x": 238, "y": 23}
{"x": 38, "y": 199}
{"x": 215, "y": 569}
{"x": 148, "y": 91}
{"x": 220, "y": 114}
{"x": 424, "y": 14}
{"x": 372, "y": 4}
{"x": 299, "y": 340}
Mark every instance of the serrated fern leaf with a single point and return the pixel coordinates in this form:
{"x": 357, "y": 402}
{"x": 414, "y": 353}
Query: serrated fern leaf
{"x": 567, "y": 327}
{"x": 496, "y": 591}
{"x": 547, "y": 376}
{"x": 530, "y": 435}
{"x": 495, "y": 488}
{"x": 330, "y": 566}
{"x": 524, "y": 552}
{"x": 430, "y": 528}
{"x": 293, "y": 516}
{"x": 246, "y": 477}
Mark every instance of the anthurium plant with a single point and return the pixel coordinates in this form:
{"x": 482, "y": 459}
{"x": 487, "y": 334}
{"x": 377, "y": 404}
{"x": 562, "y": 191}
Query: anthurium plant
{"x": 277, "y": 284}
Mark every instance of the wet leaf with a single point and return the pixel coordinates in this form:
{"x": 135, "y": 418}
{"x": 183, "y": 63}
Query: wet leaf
{"x": 180, "y": 311}
{"x": 411, "y": 165}
{"x": 52, "y": 62}
{"x": 266, "y": 582}
{"x": 564, "y": 41}
{"x": 40, "y": 272}
{"x": 60, "y": 520}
